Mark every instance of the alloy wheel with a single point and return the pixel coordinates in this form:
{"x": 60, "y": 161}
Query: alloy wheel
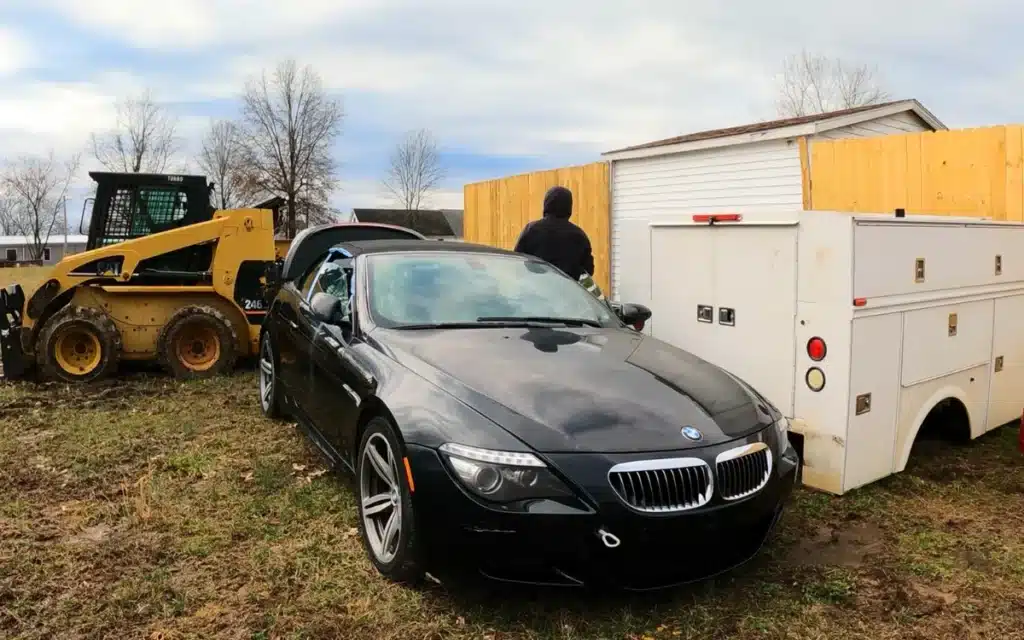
{"x": 381, "y": 496}
{"x": 266, "y": 374}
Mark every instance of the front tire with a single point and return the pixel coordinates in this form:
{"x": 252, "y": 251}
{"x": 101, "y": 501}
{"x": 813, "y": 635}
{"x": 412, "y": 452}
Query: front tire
{"x": 270, "y": 388}
{"x": 78, "y": 344}
{"x": 387, "y": 523}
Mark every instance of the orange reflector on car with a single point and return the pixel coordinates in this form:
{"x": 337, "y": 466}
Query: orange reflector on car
{"x": 408, "y": 475}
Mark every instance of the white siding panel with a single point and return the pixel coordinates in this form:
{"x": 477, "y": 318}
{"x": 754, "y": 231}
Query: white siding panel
{"x": 763, "y": 176}
{"x": 906, "y": 122}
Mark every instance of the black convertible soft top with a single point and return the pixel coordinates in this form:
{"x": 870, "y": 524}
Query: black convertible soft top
{"x": 313, "y": 242}
{"x": 358, "y": 247}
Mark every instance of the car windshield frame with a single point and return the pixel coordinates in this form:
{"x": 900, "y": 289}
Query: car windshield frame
{"x": 600, "y": 314}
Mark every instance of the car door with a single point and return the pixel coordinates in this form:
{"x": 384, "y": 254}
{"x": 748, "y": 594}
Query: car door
{"x": 335, "y": 395}
{"x": 293, "y": 339}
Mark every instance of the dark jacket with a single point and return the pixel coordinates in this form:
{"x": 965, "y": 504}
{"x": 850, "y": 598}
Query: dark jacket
{"x": 554, "y": 239}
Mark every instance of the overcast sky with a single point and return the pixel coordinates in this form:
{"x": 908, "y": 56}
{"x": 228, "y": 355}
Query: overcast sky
{"x": 506, "y": 86}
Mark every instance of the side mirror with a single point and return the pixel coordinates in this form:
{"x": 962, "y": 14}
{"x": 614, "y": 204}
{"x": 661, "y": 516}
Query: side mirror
{"x": 326, "y": 308}
{"x": 635, "y": 315}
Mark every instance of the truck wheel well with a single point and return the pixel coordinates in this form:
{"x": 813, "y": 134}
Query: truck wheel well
{"x": 948, "y": 421}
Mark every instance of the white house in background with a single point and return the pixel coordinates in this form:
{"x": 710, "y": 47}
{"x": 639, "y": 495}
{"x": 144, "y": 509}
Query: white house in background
{"x": 20, "y": 248}
{"x": 751, "y": 167}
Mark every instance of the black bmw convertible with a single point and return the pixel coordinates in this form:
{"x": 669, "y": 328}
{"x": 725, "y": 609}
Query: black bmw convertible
{"x": 500, "y": 419}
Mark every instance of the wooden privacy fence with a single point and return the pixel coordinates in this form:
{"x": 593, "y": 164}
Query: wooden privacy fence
{"x": 969, "y": 172}
{"x": 497, "y": 210}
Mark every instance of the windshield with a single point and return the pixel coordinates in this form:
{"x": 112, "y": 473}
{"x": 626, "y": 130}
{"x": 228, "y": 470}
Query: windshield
{"x": 442, "y": 288}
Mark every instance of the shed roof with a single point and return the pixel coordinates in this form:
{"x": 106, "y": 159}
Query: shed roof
{"x": 786, "y": 127}
{"x": 54, "y": 240}
{"x": 429, "y": 222}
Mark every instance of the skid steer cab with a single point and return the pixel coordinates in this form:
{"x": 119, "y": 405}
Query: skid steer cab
{"x": 166, "y": 278}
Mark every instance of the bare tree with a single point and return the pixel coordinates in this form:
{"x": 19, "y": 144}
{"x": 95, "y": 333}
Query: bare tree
{"x": 289, "y": 124}
{"x": 6, "y": 214}
{"x": 220, "y": 158}
{"x": 813, "y": 84}
{"x": 415, "y": 169}
{"x": 35, "y": 189}
{"x": 144, "y": 138}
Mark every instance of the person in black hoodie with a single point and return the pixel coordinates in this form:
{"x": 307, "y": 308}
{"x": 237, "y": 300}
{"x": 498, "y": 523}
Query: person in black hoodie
{"x": 556, "y": 240}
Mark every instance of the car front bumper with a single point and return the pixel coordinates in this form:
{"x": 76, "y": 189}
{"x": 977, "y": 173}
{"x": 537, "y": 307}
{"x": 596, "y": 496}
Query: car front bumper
{"x": 553, "y": 544}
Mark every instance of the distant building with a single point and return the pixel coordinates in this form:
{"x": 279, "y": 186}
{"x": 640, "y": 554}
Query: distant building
{"x": 20, "y": 248}
{"x": 433, "y": 223}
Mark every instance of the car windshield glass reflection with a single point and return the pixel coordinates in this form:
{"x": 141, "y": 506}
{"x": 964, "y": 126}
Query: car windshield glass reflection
{"x": 423, "y": 290}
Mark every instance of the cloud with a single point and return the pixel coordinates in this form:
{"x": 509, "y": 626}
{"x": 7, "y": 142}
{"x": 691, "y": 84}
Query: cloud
{"x": 15, "y": 52}
{"x": 539, "y": 83}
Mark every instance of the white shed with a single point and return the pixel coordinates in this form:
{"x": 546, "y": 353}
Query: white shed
{"x": 751, "y": 167}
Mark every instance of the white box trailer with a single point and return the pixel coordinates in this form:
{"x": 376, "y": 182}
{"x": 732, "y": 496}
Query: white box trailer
{"x": 857, "y": 327}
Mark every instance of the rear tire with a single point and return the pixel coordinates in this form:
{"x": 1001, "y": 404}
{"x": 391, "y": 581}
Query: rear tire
{"x": 198, "y": 342}
{"x": 271, "y": 402}
{"x": 78, "y": 344}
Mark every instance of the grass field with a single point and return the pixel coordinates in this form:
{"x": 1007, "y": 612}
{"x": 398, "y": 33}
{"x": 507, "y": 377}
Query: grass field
{"x": 154, "y": 509}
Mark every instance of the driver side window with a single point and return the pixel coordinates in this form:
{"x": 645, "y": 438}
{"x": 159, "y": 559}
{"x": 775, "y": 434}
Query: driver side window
{"x": 306, "y": 282}
{"x": 334, "y": 278}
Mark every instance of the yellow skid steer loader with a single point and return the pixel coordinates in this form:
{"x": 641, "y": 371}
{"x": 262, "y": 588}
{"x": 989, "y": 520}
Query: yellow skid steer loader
{"x": 165, "y": 277}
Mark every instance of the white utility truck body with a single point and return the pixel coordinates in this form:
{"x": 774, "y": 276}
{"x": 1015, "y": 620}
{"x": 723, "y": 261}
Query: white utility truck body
{"x": 913, "y": 311}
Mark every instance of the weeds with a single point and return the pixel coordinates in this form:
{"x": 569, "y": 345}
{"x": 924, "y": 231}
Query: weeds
{"x": 152, "y": 509}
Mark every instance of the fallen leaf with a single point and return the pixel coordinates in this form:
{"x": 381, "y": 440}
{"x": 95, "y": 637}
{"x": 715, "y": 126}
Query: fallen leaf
{"x": 298, "y": 467}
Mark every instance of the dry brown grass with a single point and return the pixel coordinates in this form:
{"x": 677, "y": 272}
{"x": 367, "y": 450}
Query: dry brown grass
{"x": 153, "y": 509}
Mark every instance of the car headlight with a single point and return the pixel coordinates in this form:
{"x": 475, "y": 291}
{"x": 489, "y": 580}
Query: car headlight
{"x": 782, "y": 431}
{"x": 503, "y": 476}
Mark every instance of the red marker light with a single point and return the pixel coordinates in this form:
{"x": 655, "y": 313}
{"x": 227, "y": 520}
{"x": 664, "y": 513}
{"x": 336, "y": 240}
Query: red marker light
{"x": 860, "y": 302}
{"x": 639, "y": 325}
{"x": 816, "y": 349}
{"x": 717, "y": 217}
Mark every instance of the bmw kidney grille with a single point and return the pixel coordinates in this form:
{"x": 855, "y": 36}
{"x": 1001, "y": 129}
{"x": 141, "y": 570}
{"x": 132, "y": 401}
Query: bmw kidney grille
{"x": 680, "y": 484}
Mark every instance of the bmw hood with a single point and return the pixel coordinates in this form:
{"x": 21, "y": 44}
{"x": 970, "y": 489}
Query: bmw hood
{"x": 585, "y": 390}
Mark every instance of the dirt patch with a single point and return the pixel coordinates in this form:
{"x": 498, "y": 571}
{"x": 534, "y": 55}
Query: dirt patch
{"x": 109, "y": 394}
{"x": 850, "y": 544}
{"x": 91, "y": 535}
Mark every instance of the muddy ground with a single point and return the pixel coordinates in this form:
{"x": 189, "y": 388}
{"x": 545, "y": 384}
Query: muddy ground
{"x": 147, "y": 508}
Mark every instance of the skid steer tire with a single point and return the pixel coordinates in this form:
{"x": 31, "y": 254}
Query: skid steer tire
{"x": 78, "y": 344}
{"x": 198, "y": 342}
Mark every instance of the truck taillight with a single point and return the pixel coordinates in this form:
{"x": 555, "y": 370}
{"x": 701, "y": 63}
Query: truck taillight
{"x": 816, "y": 349}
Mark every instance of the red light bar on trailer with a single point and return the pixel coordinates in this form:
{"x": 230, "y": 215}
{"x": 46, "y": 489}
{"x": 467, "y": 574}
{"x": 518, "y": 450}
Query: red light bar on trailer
{"x": 712, "y": 218}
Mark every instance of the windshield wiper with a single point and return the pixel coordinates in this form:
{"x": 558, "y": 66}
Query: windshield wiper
{"x": 572, "y": 322}
{"x": 444, "y": 325}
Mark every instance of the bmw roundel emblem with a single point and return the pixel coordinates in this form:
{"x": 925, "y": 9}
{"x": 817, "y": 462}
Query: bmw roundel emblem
{"x": 692, "y": 433}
